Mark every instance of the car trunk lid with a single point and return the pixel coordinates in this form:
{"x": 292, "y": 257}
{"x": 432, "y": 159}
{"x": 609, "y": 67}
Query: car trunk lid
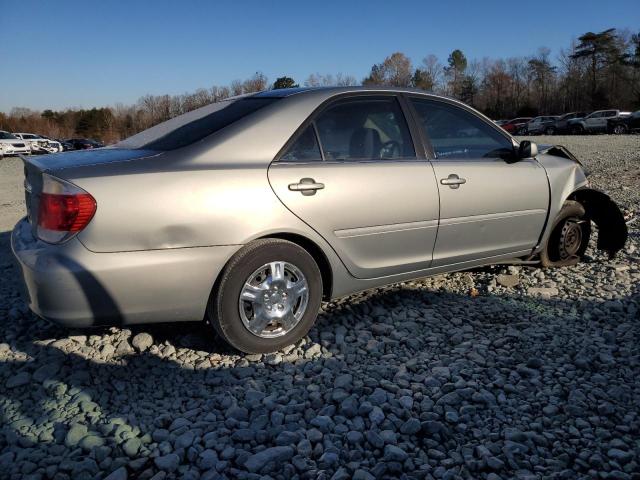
{"x": 34, "y": 167}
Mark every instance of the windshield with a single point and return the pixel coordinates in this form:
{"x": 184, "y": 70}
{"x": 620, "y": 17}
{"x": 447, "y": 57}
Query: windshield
{"x": 196, "y": 125}
{"x": 7, "y": 136}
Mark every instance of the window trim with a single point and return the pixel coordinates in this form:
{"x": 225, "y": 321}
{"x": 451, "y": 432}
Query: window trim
{"x": 330, "y": 102}
{"x": 427, "y": 141}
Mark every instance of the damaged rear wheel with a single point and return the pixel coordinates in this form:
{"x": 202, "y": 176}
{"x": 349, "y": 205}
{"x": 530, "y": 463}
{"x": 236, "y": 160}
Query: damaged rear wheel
{"x": 569, "y": 237}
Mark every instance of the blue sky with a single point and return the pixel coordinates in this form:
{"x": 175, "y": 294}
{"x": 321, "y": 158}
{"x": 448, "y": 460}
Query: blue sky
{"x": 59, "y": 54}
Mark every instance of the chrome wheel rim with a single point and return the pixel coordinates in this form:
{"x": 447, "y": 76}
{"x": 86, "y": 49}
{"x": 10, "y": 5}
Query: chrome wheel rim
{"x": 273, "y": 299}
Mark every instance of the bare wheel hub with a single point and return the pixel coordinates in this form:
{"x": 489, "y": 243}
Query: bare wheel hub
{"x": 274, "y": 299}
{"x": 570, "y": 238}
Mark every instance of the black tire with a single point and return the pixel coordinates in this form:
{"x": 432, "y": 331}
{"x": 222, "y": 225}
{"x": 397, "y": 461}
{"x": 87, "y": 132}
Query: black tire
{"x": 619, "y": 129}
{"x": 223, "y": 311}
{"x": 577, "y": 130}
{"x": 569, "y": 237}
{"x": 550, "y": 131}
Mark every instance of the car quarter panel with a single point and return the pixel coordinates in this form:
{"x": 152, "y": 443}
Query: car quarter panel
{"x": 213, "y": 192}
{"x": 74, "y": 286}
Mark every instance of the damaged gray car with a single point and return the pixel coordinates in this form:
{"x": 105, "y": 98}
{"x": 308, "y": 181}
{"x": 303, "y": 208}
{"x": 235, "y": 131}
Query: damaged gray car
{"x": 247, "y": 213}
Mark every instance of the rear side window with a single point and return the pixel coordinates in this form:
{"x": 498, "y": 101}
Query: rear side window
{"x": 457, "y": 134}
{"x": 304, "y": 149}
{"x": 365, "y": 128}
{"x": 177, "y": 133}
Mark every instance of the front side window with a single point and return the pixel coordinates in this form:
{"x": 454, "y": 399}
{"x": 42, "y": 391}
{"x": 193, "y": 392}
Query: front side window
{"x": 456, "y": 134}
{"x": 365, "y": 128}
{"x": 304, "y": 149}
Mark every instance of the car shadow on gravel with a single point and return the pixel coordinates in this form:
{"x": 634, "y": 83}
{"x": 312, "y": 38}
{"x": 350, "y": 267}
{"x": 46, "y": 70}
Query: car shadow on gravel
{"x": 469, "y": 369}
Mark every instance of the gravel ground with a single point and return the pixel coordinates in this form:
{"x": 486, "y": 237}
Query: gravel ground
{"x": 503, "y": 372}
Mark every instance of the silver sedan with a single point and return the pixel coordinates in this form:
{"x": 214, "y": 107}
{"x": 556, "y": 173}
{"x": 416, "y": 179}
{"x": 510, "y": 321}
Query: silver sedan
{"x": 247, "y": 213}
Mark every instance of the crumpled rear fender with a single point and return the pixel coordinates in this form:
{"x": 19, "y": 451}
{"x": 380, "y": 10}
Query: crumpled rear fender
{"x": 612, "y": 229}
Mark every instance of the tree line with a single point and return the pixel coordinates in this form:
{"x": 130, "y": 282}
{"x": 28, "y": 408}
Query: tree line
{"x": 598, "y": 70}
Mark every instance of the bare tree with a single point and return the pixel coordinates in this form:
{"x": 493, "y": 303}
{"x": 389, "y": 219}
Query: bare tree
{"x": 395, "y": 70}
{"x": 236, "y": 88}
{"x": 256, "y": 83}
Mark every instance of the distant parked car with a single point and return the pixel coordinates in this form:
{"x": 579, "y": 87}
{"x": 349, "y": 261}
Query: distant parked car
{"x": 66, "y": 146}
{"x": 54, "y": 146}
{"x": 36, "y": 143}
{"x": 541, "y": 125}
{"x": 595, "y": 122}
{"x": 12, "y": 145}
{"x": 84, "y": 143}
{"x": 515, "y": 126}
{"x": 561, "y": 125}
{"x": 500, "y": 122}
{"x": 626, "y": 124}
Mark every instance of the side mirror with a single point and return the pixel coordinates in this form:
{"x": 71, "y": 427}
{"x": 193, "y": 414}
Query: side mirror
{"x": 527, "y": 149}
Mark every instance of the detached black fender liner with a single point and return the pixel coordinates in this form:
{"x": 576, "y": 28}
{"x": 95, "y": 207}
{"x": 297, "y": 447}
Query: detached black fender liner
{"x": 612, "y": 229}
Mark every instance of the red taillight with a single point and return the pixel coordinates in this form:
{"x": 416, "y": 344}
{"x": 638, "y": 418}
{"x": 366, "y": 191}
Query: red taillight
{"x": 64, "y": 210}
{"x": 65, "y": 213}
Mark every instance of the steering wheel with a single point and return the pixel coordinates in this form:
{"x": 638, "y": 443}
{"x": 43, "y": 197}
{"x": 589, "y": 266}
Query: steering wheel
{"x": 390, "y": 149}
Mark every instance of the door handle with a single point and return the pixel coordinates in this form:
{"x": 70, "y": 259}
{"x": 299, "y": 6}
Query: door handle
{"x": 453, "y": 180}
{"x": 307, "y": 186}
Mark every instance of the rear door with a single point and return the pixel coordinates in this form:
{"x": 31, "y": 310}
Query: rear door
{"x": 488, "y": 207}
{"x": 594, "y": 121}
{"x": 602, "y": 125}
{"x": 352, "y": 174}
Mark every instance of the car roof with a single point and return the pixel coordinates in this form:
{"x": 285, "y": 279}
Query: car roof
{"x": 335, "y": 90}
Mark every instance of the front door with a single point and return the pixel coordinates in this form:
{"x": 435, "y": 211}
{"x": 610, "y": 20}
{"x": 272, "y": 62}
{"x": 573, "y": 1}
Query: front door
{"x": 352, "y": 174}
{"x": 488, "y": 207}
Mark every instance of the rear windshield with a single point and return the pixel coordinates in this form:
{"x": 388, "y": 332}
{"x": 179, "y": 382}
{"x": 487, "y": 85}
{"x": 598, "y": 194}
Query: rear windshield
{"x": 7, "y": 136}
{"x": 196, "y": 125}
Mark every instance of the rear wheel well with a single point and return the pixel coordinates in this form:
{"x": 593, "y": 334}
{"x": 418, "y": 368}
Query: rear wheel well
{"x": 318, "y": 255}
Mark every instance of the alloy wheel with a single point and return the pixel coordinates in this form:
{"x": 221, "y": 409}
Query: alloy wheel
{"x": 273, "y": 299}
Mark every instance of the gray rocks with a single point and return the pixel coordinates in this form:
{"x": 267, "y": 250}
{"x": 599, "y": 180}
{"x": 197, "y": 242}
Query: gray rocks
{"x": 142, "y": 341}
{"x": 394, "y": 454}
{"x": 168, "y": 463}
{"x": 18, "y": 380}
{"x": 499, "y": 373}
{"x": 131, "y": 446}
{"x": 621, "y": 456}
{"x": 119, "y": 474}
{"x": 508, "y": 281}
{"x": 76, "y": 433}
{"x": 544, "y": 292}
{"x": 411, "y": 426}
{"x": 258, "y": 461}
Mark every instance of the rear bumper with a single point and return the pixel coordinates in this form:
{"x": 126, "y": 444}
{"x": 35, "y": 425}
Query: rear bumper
{"x": 76, "y": 287}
